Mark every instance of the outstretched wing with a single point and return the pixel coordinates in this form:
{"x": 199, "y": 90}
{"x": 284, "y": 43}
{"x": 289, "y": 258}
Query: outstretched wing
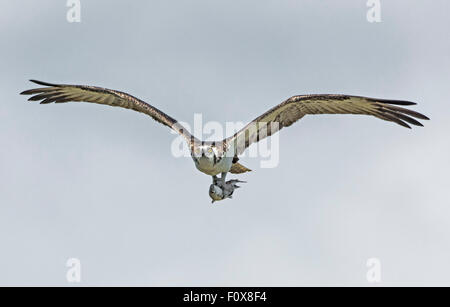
{"x": 59, "y": 93}
{"x": 294, "y": 108}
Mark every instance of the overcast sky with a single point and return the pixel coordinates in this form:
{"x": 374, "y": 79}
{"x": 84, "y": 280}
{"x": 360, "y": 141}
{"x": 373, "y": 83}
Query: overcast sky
{"x": 100, "y": 184}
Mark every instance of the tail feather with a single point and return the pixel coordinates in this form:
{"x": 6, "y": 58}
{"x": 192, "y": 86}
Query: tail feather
{"x": 238, "y": 168}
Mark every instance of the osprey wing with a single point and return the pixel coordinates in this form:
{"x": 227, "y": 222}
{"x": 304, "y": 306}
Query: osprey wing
{"x": 294, "y": 108}
{"x": 60, "y": 93}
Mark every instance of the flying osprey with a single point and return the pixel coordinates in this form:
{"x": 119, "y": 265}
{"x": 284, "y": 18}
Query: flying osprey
{"x": 214, "y": 158}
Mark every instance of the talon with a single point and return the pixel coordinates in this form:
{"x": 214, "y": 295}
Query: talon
{"x": 221, "y": 189}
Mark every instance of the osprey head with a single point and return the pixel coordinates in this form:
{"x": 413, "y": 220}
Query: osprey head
{"x": 205, "y": 150}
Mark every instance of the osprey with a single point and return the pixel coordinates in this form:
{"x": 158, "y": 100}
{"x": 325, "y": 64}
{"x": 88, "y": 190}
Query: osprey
{"x": 214, "y": 158}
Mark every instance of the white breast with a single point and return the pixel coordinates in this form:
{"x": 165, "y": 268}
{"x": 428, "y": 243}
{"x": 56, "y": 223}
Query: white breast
{"x": 211, "y": 165}
{"x": 207, "y": 166}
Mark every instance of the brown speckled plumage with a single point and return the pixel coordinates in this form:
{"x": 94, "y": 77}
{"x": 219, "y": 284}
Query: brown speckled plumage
{"x": 59, "y": 93}
{"x": 294, "y": 108}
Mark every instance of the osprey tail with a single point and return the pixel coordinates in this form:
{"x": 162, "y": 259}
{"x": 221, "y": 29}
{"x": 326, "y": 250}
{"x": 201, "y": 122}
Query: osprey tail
{"x": 238, "y": 168}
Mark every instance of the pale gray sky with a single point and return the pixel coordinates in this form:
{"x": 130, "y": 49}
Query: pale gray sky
{"x": 100, "y": 183}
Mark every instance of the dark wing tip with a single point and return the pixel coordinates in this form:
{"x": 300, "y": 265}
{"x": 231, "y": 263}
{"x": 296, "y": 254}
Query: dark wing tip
{"x": 417, "y": 123}
{"x": 43, "y": 83}
{"x": 48, "y": 87}
{"x": 35, "y": 98}
{"x": 394, "y": 102}
{"x": 401, "y": 116}
{"x": 402, "y": 123}
{"x": 401, "y": 102}
{"x": 408, "y": 112}
{"x": 393, "y": 106}
{"x": 424, "y": 117}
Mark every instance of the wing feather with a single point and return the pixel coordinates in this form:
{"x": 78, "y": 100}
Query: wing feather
{"x": 60, "y": 93}
{"x": 294, "y": 108}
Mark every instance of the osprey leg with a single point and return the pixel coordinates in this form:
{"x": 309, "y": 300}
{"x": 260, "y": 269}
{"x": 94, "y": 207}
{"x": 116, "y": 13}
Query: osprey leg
{"x": 224, "y": 175}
